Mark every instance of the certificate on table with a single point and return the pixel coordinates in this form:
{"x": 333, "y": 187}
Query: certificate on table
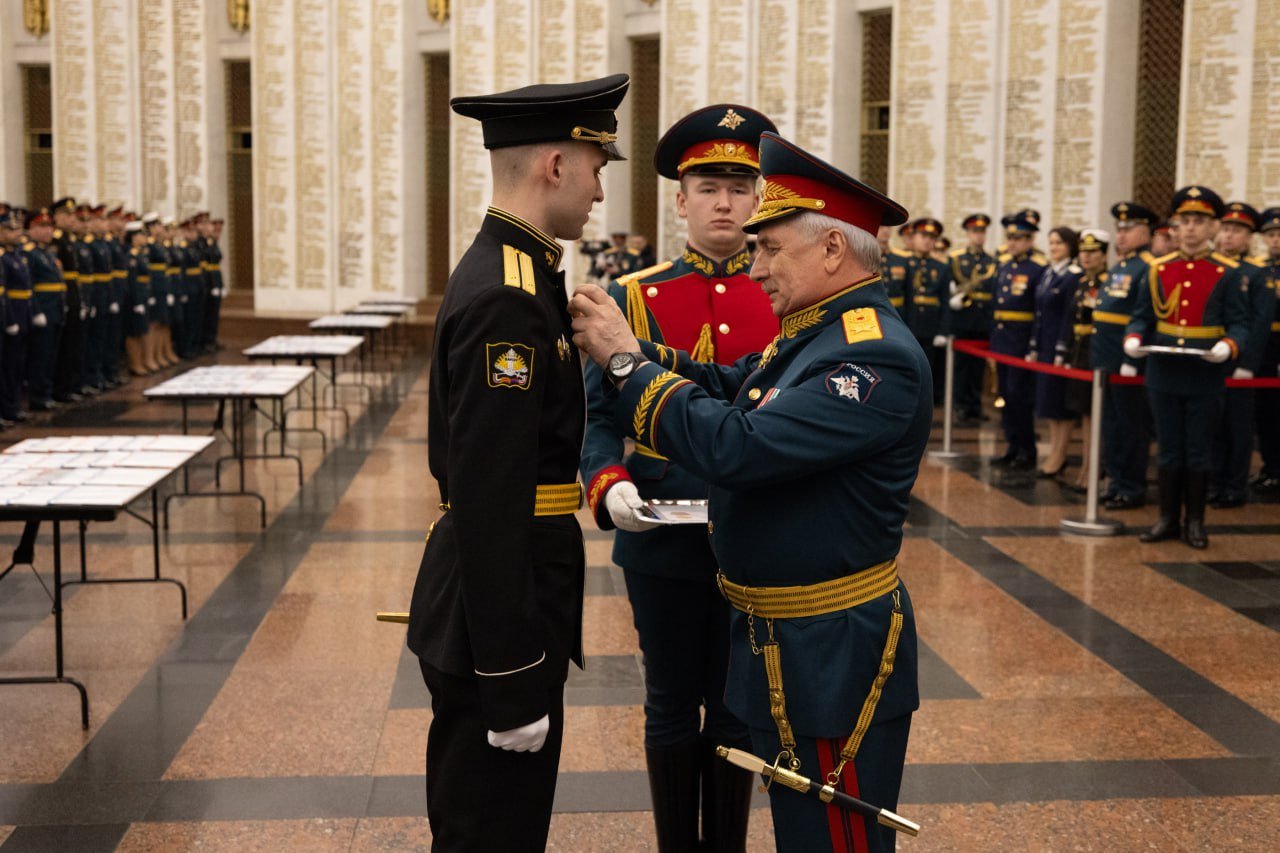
{"x": 674, "y": 511}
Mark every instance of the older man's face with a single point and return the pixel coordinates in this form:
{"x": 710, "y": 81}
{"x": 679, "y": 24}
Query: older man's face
{"x": 788, "y": 267}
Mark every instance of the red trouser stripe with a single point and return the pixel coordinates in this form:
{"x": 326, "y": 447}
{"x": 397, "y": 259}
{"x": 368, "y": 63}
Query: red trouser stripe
{"x": 848, "y": 830}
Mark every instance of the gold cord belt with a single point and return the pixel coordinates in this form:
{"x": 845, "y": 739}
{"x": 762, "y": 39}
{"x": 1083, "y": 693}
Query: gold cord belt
{"x": 54, "y": 287}
{"x": 559, "y": 499}
{"x": 1015, "y": 316}
{"x": 1111, "y": 317}
{"x": 1178, "y": 331}
{"x": 795, "y": 602}
{"x": 1082, "y": 329}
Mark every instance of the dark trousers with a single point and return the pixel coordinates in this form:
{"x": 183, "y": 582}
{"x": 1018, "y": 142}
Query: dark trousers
{"x": 480, "y": 798}
{"x": 1267, "y": 409}
{"x": 1184, "y": 428}
{"x": 42, "y": 355}
{"x": 95, "y": 333}
{"x": 211, "y": 308}
{"x": 12, "y": 371}
{"x": 195, "y": 321}
{"x": 804, "y": 824}
{"x": 1126, "y": 438}
{"x": 1233, "y": 444}
{"x": 1018, "y": 387}
{"x": 937, "y": 366}
{"x": 684, "y": 636}
{"x": 968, "y": 383}
{"x": 68, "y": 376}
{"x": 113, "y": 343}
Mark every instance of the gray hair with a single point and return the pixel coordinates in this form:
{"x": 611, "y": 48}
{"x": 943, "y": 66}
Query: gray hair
{"x": 862, "y": 245}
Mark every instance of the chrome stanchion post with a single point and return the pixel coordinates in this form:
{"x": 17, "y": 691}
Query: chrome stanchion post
{"x": 948, "y": 402}
{"x": 1091, "y": 524}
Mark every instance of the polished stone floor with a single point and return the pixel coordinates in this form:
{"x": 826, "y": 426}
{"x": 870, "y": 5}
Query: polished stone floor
{"x": 1078, "y": 694}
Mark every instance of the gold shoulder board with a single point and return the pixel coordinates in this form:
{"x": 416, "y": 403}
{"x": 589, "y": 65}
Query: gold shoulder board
{"x": 1223, "y": 259}
{"x": 517, "y": 270}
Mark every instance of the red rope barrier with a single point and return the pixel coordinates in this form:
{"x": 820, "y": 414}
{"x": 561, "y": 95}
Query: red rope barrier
{"x": 978, "y": 350}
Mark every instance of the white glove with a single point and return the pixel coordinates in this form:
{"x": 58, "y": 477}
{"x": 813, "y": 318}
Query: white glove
{"x": 1242, "y": 373}
{"x": 114, "y": 307}
{"x": 216, "y": 292}
{"x": 40, "y": 321}
{"x": 184, "y": 299}
{"x": 11, "y": 330}
{"x": 1128, "y": 370}
{"x": 1132, "y": 348}
{"x": 1221, "y": 352}
{"x": 169, "y": 299}
{"x": 622, "y": 501}
{"x": 1058, "y": 361}
{"x": 939, "y": 340}
{"x": 956, "y": 302}
{"x": 84, "y": 313}
{"x": 140, "y": 309}
{"x": 151, "y": 300}
{"x": 93, "y": 312}
{"x": 524, "y": 739}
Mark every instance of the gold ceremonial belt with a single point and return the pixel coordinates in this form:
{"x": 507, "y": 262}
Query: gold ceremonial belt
{"x": 925, "y": 300}
{"x": 1110, "y": 317}
{"x": 55, "y": 287}
{"x": 1015, "y": 316}
{"x": 19, "y": 294}
{"x": 1082, "y": 329}
{"x": 980, "y": 297}
{"x": 195, "y": 270}
{"x": 563, "y": 499}
{"x": 795, "y": 602}
{"x": 1190, "y": 331}
{"x": 1275, "y": 327}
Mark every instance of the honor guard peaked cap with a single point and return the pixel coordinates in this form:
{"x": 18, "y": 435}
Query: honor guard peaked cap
{"x": 1197, "y": 199}
{"x": 133, "y": 227}
{"x": 550, "y": 112}
{"x": 976, "y": 220}
{"x": 1132, "y": 212}
{"x": 796, "y": 181}
{"x": 1022, "y": 222}
{"x": 1242, "y": 214}
{"x": 1094, "y": 240}
{"x": 67, "y": 203}
{"x": 925, "y": 225}
{"x": 39, "y": 217}
{"x": 150, "y": 218}
{"x": 722, "y": 139}
{"x": 1270, "y": 219}
{"x": 1163, "y": 226}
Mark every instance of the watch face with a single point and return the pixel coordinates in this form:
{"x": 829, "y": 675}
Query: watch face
{"x": 620, "y": 363}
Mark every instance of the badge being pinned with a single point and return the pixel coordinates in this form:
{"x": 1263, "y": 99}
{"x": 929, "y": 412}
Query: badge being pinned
{"x": 852, "y": 382}
{"x": 509, "y": 365}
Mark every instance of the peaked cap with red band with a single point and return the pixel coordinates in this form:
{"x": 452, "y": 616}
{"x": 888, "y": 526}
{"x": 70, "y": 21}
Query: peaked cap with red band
{"x": 795, "y": 181}
{"x": 925, "y": 225}
{"x": 722, "y": 139}
{"x": 1197, "y": 199}
{"x": 1242, "y": 214}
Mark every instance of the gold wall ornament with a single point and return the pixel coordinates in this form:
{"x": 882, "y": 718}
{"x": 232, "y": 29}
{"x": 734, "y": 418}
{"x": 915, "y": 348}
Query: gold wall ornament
{"x": 438, "y": 9}
{"x": 238, "y": 15}
{"x": 35, "y": 15}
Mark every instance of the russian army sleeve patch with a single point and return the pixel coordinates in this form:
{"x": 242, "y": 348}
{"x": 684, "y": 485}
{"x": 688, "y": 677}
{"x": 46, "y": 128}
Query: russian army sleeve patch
{"x": 509, "y": 365}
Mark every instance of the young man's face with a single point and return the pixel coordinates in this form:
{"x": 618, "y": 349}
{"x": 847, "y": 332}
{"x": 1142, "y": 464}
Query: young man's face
{"x": 716, "y": 206}
{"x": 1272, "y": 239}
{"x": 1195, "y": 231}
{"x": 925, "y": 241}
{"x": 579, "y": 189}
{"x": 1017, "y": 243}
{"x": 977, "y": 237}
{"x": 1233, "y": 238}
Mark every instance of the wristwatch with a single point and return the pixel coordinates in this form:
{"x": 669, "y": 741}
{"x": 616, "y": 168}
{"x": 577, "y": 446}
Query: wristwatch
{"x": 623, "y": 364}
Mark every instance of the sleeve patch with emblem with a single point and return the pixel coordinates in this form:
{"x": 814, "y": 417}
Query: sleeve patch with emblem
{"x": 861, "y": 324}
{"x": 509, "y": 365}
{"x": 853, "y": 382}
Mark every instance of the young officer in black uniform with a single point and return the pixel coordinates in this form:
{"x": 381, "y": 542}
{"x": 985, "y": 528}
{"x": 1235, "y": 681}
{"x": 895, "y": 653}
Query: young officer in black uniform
{"x": 48, "y": 307}
{"x": 496, "y": 614}
{"x": 1268, "y": 480}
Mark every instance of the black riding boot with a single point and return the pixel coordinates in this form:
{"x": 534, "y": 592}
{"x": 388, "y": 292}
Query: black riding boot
{"x": 673, "y": 783}
{"x": 726, "y": 803}
{"x": 1193, "y": 532}
{"x": 1167, "y": 527}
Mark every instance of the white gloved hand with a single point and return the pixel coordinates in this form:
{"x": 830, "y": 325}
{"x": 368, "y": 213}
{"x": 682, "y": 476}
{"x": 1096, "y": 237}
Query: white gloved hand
{"x": 1128, "y": 370}
{"x": 84, "y": 313}
{"x": 1242, "y": 373}
{"x": 40, "y": 321}
{"x": 956, "y": 302}
{"x": 93, "y": 312}
{"x": 114, "y": 307}
{"x": 11, "y": 330}
{"x": 140, "y": 309}
{"x": 1058, "y": 361}
{"x": 1221, "y": 352}
{"x": 216, "y": 292}
{"x": 184, "y": 299}
{"x": 169, "y": 299}
{"x": 151, "y": 300}
{"x": 528, "y": 738}
{"x": 622, "y": 501}
{"x": 1132, "y": 347}
{"x": 939, "y": 340}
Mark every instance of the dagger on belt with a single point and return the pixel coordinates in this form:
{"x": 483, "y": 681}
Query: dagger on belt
{"x": 826, "y": 793}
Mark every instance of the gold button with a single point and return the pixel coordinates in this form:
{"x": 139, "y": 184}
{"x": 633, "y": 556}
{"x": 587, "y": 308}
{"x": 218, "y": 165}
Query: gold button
{"x": 1220, "y": 269}
{"x": 724, "y": 328}
{"x": 999, "y": 325}
{"x": 652, "y": 291}
{"x": 1186, "y": 302}
{"x": 720, "y": 288}
{"x": 1181, "y": 341}
{"x": 753, "y": 394}
{"x": 711, "y": 527}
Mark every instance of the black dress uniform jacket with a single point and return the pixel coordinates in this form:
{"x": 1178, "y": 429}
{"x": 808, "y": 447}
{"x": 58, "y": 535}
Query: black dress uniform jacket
{"x": 499, "y": 593}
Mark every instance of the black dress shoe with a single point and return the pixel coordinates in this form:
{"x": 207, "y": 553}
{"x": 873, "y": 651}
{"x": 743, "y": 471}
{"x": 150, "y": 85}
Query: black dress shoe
{"x": 43, "y": 405}
{"x": 90, "y": 390}
{"x": 1022, "y": 463}
{"x": 1193, "y": 533}
{"x": 1227, "y": 502}
{"x": 68, "y": 398}
{"x": 1125, "y": 502}
{"x": 1049, "y": 475}
{"x": 1008, "y": 457}
{"x": 19, "y": 416}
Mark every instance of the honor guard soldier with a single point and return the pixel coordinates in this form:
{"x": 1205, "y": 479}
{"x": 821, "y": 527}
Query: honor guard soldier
{"x": 1233, "y": 439}
{"x": 1195, "y": 300}
{"x": 69, "y": 370}
{"x": 897, "y": 268}
{"x": 48, "y": 310}
{"x": 17, "y": 315}
{"x": 1268, "y": 400}
{"x": 97, "y": 245}
{"x": 705, "y": 303}
{"x": 811, "y": 449}
{"x": 973, "y": 277}
{"x": 161, "y": 271}
{"x": 1126, "y": 415}
{"x": 1020, "y": 268}
{"x": 116, "y": 294}
{"x": 930, "y": 295}
{"x": 195, "y": 284}
{"x": 137, "y": 299}
{"x": 213, "y": 282}
{"x": 496, "y": 615}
